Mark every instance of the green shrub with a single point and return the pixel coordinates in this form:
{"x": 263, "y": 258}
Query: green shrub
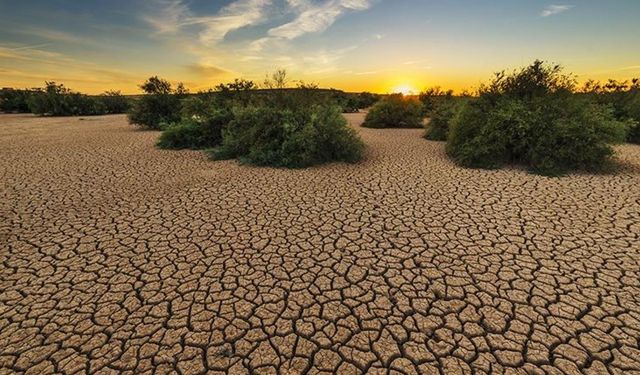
{"x": 624, "y": 99}
{"x": 440, "y": 118}
{"x": 159, "y": 105}
{"x": 395, "y": 111}
{"x": 367, "y": 99}
{"x": 285, "y": 137}
{"x": 434, "y": 97}
{"x": 57, "y": 100}
{"x": 14, "y": 100}
{"x": 114, "y": 102}
{"x": 196, "y": 132}
{"x": 632, "y": 112}
{"x": 531, "y": 117}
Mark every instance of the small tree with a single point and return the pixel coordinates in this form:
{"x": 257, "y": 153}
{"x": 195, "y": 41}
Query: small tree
{"x": 159, "y": 106}
{"x": 277, "y": 80}
{"x": 156, "y": 85}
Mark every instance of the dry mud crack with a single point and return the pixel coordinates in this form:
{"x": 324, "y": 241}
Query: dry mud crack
{"x": 117, "y": 257}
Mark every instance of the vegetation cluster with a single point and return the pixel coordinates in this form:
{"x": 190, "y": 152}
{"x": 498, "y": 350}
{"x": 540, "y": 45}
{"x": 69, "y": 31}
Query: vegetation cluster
{"x": 623, "y": 98}
{"x": 536, "y": 117}
{"x": 57, "y": 100}
{"x": 395, "y": 111}
{"x": 277, "y": 127}
{"x": 533, "y": 117}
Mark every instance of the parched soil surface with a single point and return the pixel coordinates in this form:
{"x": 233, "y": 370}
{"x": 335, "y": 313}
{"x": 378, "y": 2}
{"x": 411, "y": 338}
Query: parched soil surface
{"x": 119, "y": 257}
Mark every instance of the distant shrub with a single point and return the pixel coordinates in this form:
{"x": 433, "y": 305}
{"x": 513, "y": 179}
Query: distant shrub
{"x": 352, "y": 102}
{"x": 57, "y": 100}
{"x": 196, "y": 132}
{"x": 395, "y": 111}
{"x": 114, "y": 102}
{"x": 15, "y": 100}
{"x": 160, "y": 104}
{"x": 367, "y": 99}
{"x": 286, "y": 137}
{"x": 531, "y": 117}
{"x": 434, "y": 97}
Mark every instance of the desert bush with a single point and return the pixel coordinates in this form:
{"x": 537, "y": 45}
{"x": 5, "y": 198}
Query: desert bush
{"x": 367, "y": 99}
{"x": 395, "y": 111}
{"x": 352, "y": 102}
{"x": 433, "y": 97}
{"x": 15, "y": 100}
{"x": 632, "y": 111}
{"x": 617, "y": 94}
{"x": 623, "y": 97}
{"x": 57, "y": 100}
{"x": 532, "y": 117}
{"x": 440, "y": 117}
{"x": 114, "y": 102}
{"x": 160, "y": 104}
{"x": 196, "y": 132}
{"x": 286, "y": 137}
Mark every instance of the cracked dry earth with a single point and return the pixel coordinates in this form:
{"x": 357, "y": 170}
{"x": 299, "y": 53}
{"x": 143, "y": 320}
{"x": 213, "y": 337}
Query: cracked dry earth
{"x": 121, "y": 258}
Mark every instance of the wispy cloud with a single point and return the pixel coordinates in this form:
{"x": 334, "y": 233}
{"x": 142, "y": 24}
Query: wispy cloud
{"x": 316, "y": 17}
{"x": 36, "y": 46}
{"x": 168, "y": 15}
{"x": 175, "y": 15}
{"x": 234, "y": 16}
{"x": 52, "y": 35}
{"x": 205, "y": 70}
{"x": 550, "y": 10}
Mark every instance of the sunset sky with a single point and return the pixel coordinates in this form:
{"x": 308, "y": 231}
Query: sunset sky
{"x": 354, "y": 45}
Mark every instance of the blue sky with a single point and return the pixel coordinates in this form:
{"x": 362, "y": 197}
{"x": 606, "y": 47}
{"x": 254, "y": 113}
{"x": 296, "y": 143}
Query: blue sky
{"x": 375, "y": 45}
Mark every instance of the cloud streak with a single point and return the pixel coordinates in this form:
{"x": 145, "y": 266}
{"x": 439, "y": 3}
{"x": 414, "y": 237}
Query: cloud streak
{"x": 234, "y": 16}
{"x": 554, "y": 9}
{"x": 314, "y": 17}
{"x": 176, "y": 15}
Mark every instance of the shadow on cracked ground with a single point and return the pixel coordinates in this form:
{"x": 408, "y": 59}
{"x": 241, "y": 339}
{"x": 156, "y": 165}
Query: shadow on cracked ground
{"x": 119, "y": 257}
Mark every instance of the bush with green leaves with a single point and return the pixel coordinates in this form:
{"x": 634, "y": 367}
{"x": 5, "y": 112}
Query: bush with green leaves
{"x": 159, "y": 106}
{"x": 632, "y": 110}
{"x": 57, "y": 100}
{"x": 532, "y": 117}
{"x": 624, "y": 99}
{"x": 196, "y": 132}
{"x": 367, "y": 99}
{"x": 286, "y": 137}
{"x": 395, "y": 111}
{"x": 441, "y": 116}
{"x": 434, "y": 97}
{"x": 16, "y": 101}
{"x": 114, "y": 102}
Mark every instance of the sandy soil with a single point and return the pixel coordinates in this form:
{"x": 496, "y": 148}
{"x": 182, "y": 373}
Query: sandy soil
{"x": 116, "y": 256}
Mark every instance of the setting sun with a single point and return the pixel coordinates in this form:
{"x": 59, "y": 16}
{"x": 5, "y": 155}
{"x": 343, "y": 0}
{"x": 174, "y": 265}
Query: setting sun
{"x": 404, "y": 90}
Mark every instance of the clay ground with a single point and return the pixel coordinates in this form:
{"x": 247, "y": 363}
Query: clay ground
{"x": 119, "y": 257}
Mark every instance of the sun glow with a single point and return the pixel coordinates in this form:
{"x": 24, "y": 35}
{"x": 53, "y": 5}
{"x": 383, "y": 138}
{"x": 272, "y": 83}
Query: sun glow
{"x": 404, "y": 90}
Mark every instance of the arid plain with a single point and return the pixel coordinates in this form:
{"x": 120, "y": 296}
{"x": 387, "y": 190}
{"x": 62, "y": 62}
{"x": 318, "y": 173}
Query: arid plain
{"x": 120, "y": 257}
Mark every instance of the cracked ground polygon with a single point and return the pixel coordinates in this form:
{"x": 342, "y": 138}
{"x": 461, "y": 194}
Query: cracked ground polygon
{"x": 118, "y": 257}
